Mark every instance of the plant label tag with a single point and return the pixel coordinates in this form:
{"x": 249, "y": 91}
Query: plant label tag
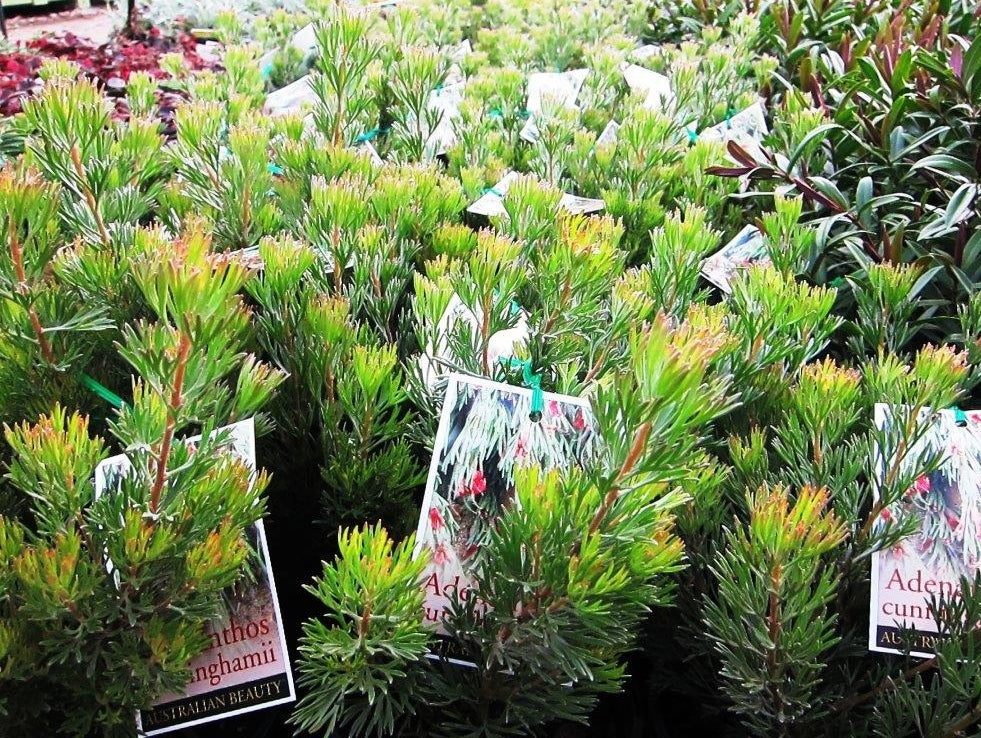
{"x": 491, "y": 203}
{"x": 945, "y": 506}
{"x": 247, "y": 666}
{"x": 456, "y": 55}
{"x": 436, "y": 361}
{"x": 654, "y": 87}
{"x": 561, "y": 88}
{"x": 486, "y": 432}
{"x": 446, "y": 102}
{"x": 295, "y": 97}
{"x": 609, "y": 135}
{"x": 747, "y": 128}
{"x": 746, "y": 249}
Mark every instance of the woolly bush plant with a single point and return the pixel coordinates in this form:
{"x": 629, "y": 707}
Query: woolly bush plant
{"x": 301, "y": 268}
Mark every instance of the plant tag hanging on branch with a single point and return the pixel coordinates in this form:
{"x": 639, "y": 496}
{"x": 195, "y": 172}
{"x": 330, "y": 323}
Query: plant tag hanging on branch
{"x": 560, "y": 87}
{"x": 439, "y": 354}
{"x": 491, "y": 203}
{"x": 486, "y": 431}
{"x": 247, "y": 666}
{"x": 746, "y": 249}
{"x": 945, "y": 509}
{"x": 655, "y": 87}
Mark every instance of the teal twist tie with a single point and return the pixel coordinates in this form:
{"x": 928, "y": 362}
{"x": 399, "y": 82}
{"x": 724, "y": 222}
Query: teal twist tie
{"x": 533, "y": 382}
{"x": 369, "y": 135}
{"x": 491, "y": 191}
{"x": 275, "y": 169}
{"x": 102, "y": 391}
{"x": 837, "y": 283}
{"x": 960, "y": 417}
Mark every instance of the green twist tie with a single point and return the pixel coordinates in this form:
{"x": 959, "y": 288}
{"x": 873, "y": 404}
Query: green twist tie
{"x": 496, "y": 113}
{"x": 534, "y": 383}
{"x": 960, "y": 417}
{"x": 524, "y": 114}
{"x": 692, "y": 134}
{"x": 837, "y": 283}
{"x": 102, "y": 391}
{"x": 266, "y": 71}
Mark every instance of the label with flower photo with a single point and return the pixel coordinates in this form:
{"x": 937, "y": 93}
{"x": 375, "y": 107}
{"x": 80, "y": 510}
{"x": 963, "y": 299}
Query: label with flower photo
{"x": 486, "y": 430}
{"x": 246, "y": 667}
{"x": 946, "y": 507}
{"x": 747, "y": 248}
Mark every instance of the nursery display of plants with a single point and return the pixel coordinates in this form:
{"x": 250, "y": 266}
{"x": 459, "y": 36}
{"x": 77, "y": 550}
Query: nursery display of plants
{"x": 501, "y": 368}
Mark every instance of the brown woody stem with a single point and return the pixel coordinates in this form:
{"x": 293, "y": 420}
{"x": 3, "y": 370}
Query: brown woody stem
{"x": 176, "y": 401}
{"x": 17, "y": 256}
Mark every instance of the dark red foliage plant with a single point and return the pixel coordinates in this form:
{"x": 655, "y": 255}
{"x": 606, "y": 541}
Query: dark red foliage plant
{"x": 109, "y": 64}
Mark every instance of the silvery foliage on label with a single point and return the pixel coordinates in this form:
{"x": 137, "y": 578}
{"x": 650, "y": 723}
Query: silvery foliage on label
{"x": 655, "y": 87}
{"x": 437, "y": 361}
{"x": 492, "y": 203}
{"x": 562, "y": 88}
{"x": 748, "y": 248}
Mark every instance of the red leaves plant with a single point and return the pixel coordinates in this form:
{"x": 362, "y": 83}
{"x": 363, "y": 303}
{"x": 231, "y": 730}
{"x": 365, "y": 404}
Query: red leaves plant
{"x": 109, "y": 64}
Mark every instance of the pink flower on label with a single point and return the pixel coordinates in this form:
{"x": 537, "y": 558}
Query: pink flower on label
{"x": 435, "y": 519}
{"x": 521, "y": 448}
{"x": 924, "y": 545}
{"x": 476, "y": 486}
{"x": 579, "y": 421}
{"x": 885, "y": 514}
{"x": 440, "y": 556}
{"x": 952, "y": 520}
{"x": 553, "y": 408}
{"x": 922, "y": 485}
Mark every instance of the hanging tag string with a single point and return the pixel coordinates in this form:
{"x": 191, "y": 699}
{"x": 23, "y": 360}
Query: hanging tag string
{"x": 101, "y": 390}
{"x": 533, "y": 382}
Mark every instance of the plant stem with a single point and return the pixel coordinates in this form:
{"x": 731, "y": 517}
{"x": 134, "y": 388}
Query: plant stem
{"x": 176, "y": 401}
{"x": 93, "y": 204}
{"x": 17, "y": 256}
